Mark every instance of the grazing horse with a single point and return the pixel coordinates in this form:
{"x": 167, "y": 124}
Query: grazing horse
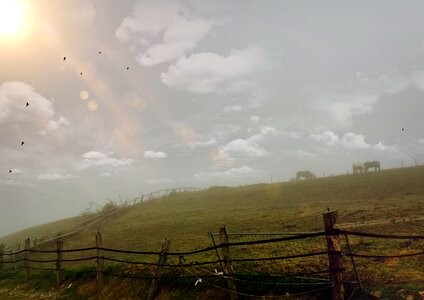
{"x": 372, "y": 165}
{"x": 305, "y": 175}
{"x": 358, "y": 168}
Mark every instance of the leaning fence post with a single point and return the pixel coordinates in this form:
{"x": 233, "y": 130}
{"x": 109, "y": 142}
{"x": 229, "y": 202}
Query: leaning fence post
{"x": 228, "y": 267}
{"x": 216, "y": 250}
{"x": 1, "y": 255}
{"x": 26, "y": 259}
{"x": 59, "y": 257}
{"x": 100, "y": 263}
{"x": 164, "y": 249}
{"x": 352, "y": 260}
{"x": 335, "y": 259}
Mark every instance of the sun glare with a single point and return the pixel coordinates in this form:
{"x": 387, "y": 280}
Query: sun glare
{"x": 11, "y": 17}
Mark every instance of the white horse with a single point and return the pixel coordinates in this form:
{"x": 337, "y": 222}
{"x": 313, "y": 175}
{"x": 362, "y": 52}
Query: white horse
{"x": 305, "y": 174}
{"x": 372, "y": 165}
{"x": 358, "y": 168}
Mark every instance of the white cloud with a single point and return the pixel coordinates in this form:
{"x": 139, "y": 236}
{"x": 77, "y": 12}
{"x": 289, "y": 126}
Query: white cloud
{"x": 232, "y": 173}
{"x": 327, "y": 137}
{"x": 203, "y": 143}
{"x": 93, "y": 155}
{"x": 255, "y": 118}
{"x": 241, "y": 148}
{"x": 385, "y": 148}
{"x": 417, "y": 78}
{"x": 205, "y": 72}
{"x": 238, "y": 148}
{"x": 163, "y": 53}
{"x": 153, "y": 154}
{"x": 302, "y": 154}
{"x": 233, "y": 108}
{"x": 147, "y": 21}
{"x": 343, "y": 109}
{"x": 40, "y": 116}
{"x": 55, "y": 176}
{"x": 95, "y": 158}
{"x": 164, "y": 31}
{"x": 56, "y": 124}
{"x": 389, "y": 82}
{"x": 181, "y": 37}
{"x": 265, "y": 130}
{"x": 105, "y": 174}
{"x": 350, "y": 141}
{"x": 354, "y": 141}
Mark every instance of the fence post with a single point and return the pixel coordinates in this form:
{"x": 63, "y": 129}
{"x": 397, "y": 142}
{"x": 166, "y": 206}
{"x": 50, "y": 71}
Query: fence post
{"x": 59, "y": 257}
{"x": 352, "y": 260}
{"x": 335, "y": 259}
{"x": 1, "y": 255}
{"x": 164, "y": 249}
{"x": 100, "y": 263}
{"x": 26, "y": 257}
{"x": 216, "y": 250}
{"x": 228, "y": 267}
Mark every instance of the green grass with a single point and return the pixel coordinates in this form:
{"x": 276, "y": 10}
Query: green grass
{"x": 46, "y": 230}
{"x": 187, "y": 218}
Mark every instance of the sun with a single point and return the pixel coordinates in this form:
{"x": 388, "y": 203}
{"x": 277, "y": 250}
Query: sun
{"x": 11, "y": 17}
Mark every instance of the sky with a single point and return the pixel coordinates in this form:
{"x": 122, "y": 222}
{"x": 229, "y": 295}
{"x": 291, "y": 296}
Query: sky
{"x": 163, "y": 94}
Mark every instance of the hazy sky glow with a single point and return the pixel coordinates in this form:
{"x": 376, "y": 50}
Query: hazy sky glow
{"x": 200, "y": 93}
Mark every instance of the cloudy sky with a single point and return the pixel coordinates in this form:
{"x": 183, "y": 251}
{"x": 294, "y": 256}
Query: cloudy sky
{"x": 162, "y": 94}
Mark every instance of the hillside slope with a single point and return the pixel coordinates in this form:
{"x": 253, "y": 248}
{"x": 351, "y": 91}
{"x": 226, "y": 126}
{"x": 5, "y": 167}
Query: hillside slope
{"x": 186, "y": 218}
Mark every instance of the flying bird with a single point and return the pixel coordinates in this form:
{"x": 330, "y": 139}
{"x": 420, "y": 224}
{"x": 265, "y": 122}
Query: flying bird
{"x": 27, "y": 104}
{"x": 22, "y": 143}
{"x": 10, "y": 171}
{"x": 64, "y": 58}
{"x": 100, "y": 52}
{"x": 81, "y": 73}
{"x": 128, "y": 68}
{"x": 403, "y": 129}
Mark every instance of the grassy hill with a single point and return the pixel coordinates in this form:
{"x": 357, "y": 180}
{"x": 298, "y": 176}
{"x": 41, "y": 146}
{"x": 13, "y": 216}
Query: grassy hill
{"x": 186, "y": 218}
{"x": 391, "y": 200}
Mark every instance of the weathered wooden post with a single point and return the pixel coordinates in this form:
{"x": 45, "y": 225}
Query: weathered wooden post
{"x": 1, "y": 255}
{"x": 164, "y": 249}
{"x": 100, "y": 263}
{"x": 335, "y": 259}
{"x": 26, "y": 259}
{"x": 228, "y": 267}
{"x": 59, "y": 257}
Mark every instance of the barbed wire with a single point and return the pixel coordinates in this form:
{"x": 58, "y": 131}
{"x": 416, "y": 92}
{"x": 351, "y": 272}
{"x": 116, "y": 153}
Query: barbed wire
{"x": 265, "y": 283}
{"x": 382, "y": 236}
{"x": 256, "y": 296}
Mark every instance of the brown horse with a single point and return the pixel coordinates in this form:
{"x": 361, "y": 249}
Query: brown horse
{"x": 305, "y": 174}
{"x": 372, "y": 165}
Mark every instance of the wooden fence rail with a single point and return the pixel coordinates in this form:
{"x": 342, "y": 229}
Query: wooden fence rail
{"x": 334, "y": 252}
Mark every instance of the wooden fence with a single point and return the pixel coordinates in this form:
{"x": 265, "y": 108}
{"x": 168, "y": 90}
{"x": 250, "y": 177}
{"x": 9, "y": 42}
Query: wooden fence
{"x": 223, "y": 257}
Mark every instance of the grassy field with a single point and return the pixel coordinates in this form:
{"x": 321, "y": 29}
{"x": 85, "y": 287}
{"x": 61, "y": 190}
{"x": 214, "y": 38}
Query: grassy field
{"x": 40, "y": 231}
{"x": 394, "y": 196}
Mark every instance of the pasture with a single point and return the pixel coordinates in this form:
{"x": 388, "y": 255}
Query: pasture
{"x": 389, "y": 201}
